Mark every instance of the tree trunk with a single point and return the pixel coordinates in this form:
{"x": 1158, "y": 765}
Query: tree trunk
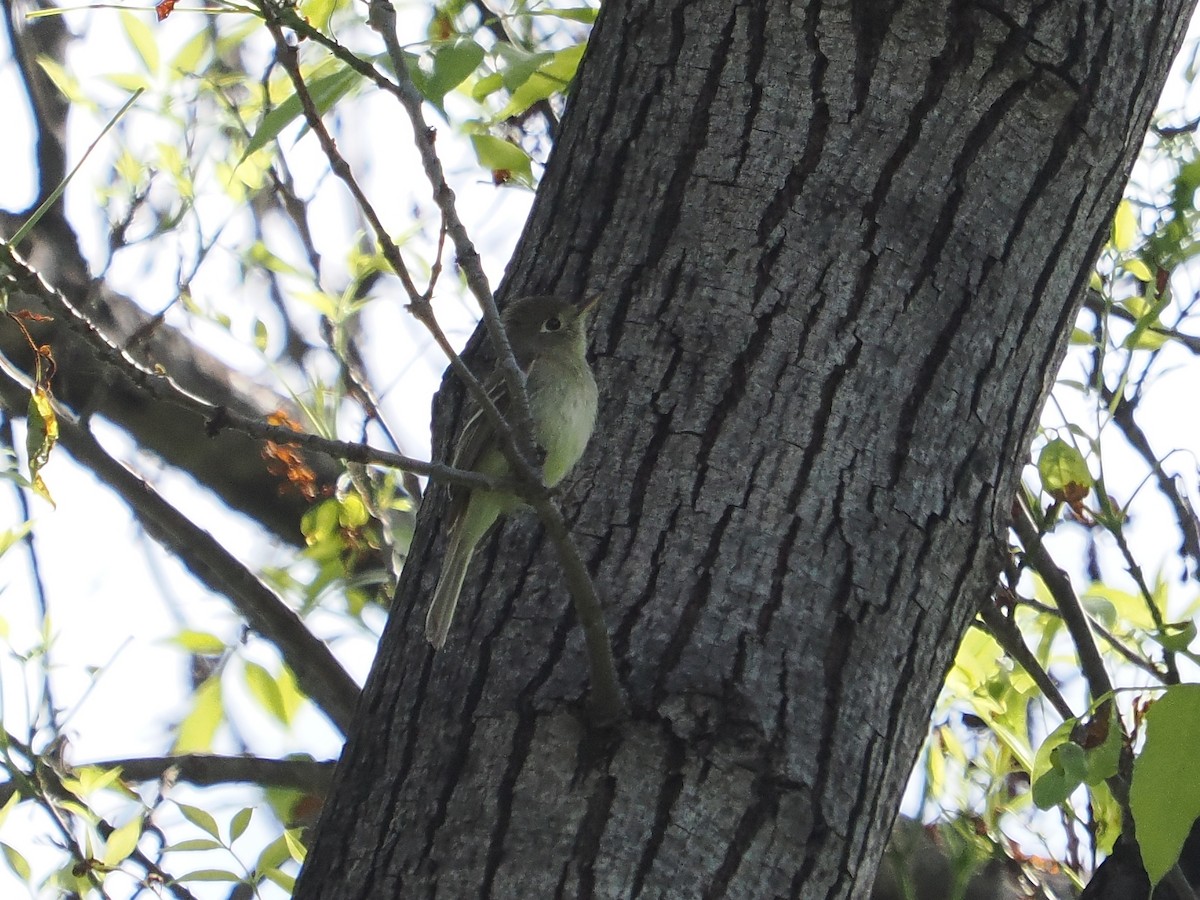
{"x": 843, "y": 245}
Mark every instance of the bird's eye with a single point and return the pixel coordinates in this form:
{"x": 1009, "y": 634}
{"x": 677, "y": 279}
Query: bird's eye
{"x": 552, "y": 324}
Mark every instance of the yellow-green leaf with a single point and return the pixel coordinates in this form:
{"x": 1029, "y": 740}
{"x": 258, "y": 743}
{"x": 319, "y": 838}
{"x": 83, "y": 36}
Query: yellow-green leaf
{"x": 122, "y": 842}
{"x": 239, "y": 823}
{"x": 141, "y": 38}
{"x": 40, "y": 438}
{"x": 1125, "y": 228}
{"x": 9, "y": 805}
{"x": 1063, "y": 470}
{"x": 199, "y": 726}
{"x": 506, "y": 161}
{"x": 325, "y": 90}
{"x": 1138, "y": 270}
{"x": 262, "y": 685}
{"x": 199, "y": 642}
{"x": 291, "y": 837}
{"x": 1165, "y": 794}
{"x": 17, "y": 862}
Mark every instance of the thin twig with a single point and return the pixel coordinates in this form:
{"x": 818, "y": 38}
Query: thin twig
{"x": 18, "y": 275}
{"x": 1008, "y": 636}
{"x": 382, "y": 18}
{"x": 1064, "y": 595}
{"x": 1109, "y": 638}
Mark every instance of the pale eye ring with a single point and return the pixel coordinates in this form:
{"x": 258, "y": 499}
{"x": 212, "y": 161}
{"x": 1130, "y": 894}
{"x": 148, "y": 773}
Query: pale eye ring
{"x": 552, "y": 324}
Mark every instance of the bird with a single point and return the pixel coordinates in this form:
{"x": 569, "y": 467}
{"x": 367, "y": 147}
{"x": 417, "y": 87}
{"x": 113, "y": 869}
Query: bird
{"x": 548, "y": 336}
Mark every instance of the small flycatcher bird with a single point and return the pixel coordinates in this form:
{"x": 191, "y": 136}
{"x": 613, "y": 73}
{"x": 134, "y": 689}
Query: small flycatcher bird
{"x": 549, "y": 340}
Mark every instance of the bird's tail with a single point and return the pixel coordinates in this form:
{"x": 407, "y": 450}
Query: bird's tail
{"x": 450, "y": 582}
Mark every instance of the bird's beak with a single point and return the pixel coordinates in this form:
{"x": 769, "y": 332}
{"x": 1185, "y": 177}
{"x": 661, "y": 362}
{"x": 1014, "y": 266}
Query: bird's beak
{"x": 589, "y": 302}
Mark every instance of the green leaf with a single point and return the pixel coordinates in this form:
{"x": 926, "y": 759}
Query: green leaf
{"x": 239, "y": 823}
{"x": 354, "y": 512}
{"x": 16, "y": 862}
{"x": 192, "y": 845}
{"x": 68, "y": 85}
{"x": 325, "y": 90}
{"x": 1145, "y": 338}
{"x": 1165, "y": 795}
{"x": 9, "y": 805}
{"x": 192, "y": 54}
{"x": 122, "y": 842}
{"x": 554, "y": 76}
{"x": 142, "y": 39}
{"x": 1125, "y": 227}
{"x": 1050, "y": 781}
{"x": 10, "y": 536}
{"x": 486, "y": 86}
{"x": 1071, "y": 759}
{"x": 1052, "y": 789}
{"x": 262, "y": 685}
{"x": 289, "y": 693}
{"x": 1176, "y": 636}
{"x": 1063, "y": 470}
{"x": 261, "y": 337}
{"x": 452, "y": 63}
{"x": 318, "y": 12}
{"x": 210, "y": 875}
{"x": 282, "y": 879}
{"x": 506, "y": 161}
{"x": 291, "y": 837}
{"x": 517, "y": 64}
{"x": 201, "y": 643}
{"x": 201, "y": 818}
{"x": 585, "y": 14}
{"x": 1104, "y": 759}
{"x": 1068, "y": 767}
{"x": 1138, "y": 269}
{"x": 87, "y": 780}
{"x": 1081, "y": 337}
{"x": 199, "y": 726}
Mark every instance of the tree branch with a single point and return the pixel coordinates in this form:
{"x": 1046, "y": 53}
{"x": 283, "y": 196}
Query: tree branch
{"x": 1064, "y": 595}
{"x": 317, "y": 670}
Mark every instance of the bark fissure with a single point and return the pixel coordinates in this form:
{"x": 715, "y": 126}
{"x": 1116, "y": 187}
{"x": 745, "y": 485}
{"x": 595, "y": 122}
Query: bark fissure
{"x": 697, "y": 599}
{"x": 586, "y": 849}
{"x": 756, "y": 52}
{"x": 625, "y": 626}
{"x": 779, "y": 573}
{"x": 518, "y": 753}
{"x": 671, "y": 786}
{"x": 674, "y": 196}
{"x": 740, "y": 381}
{"x": 869, "y": 22}
{"x": 460, "y": 750}
{"x": 820, "y": 423}
{"x": 764, "y": 802}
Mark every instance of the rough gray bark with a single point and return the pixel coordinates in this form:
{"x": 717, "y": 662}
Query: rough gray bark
{"x": 844, "y": 244}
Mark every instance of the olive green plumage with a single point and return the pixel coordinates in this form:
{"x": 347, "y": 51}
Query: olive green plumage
{"x": 549, "y": 340}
